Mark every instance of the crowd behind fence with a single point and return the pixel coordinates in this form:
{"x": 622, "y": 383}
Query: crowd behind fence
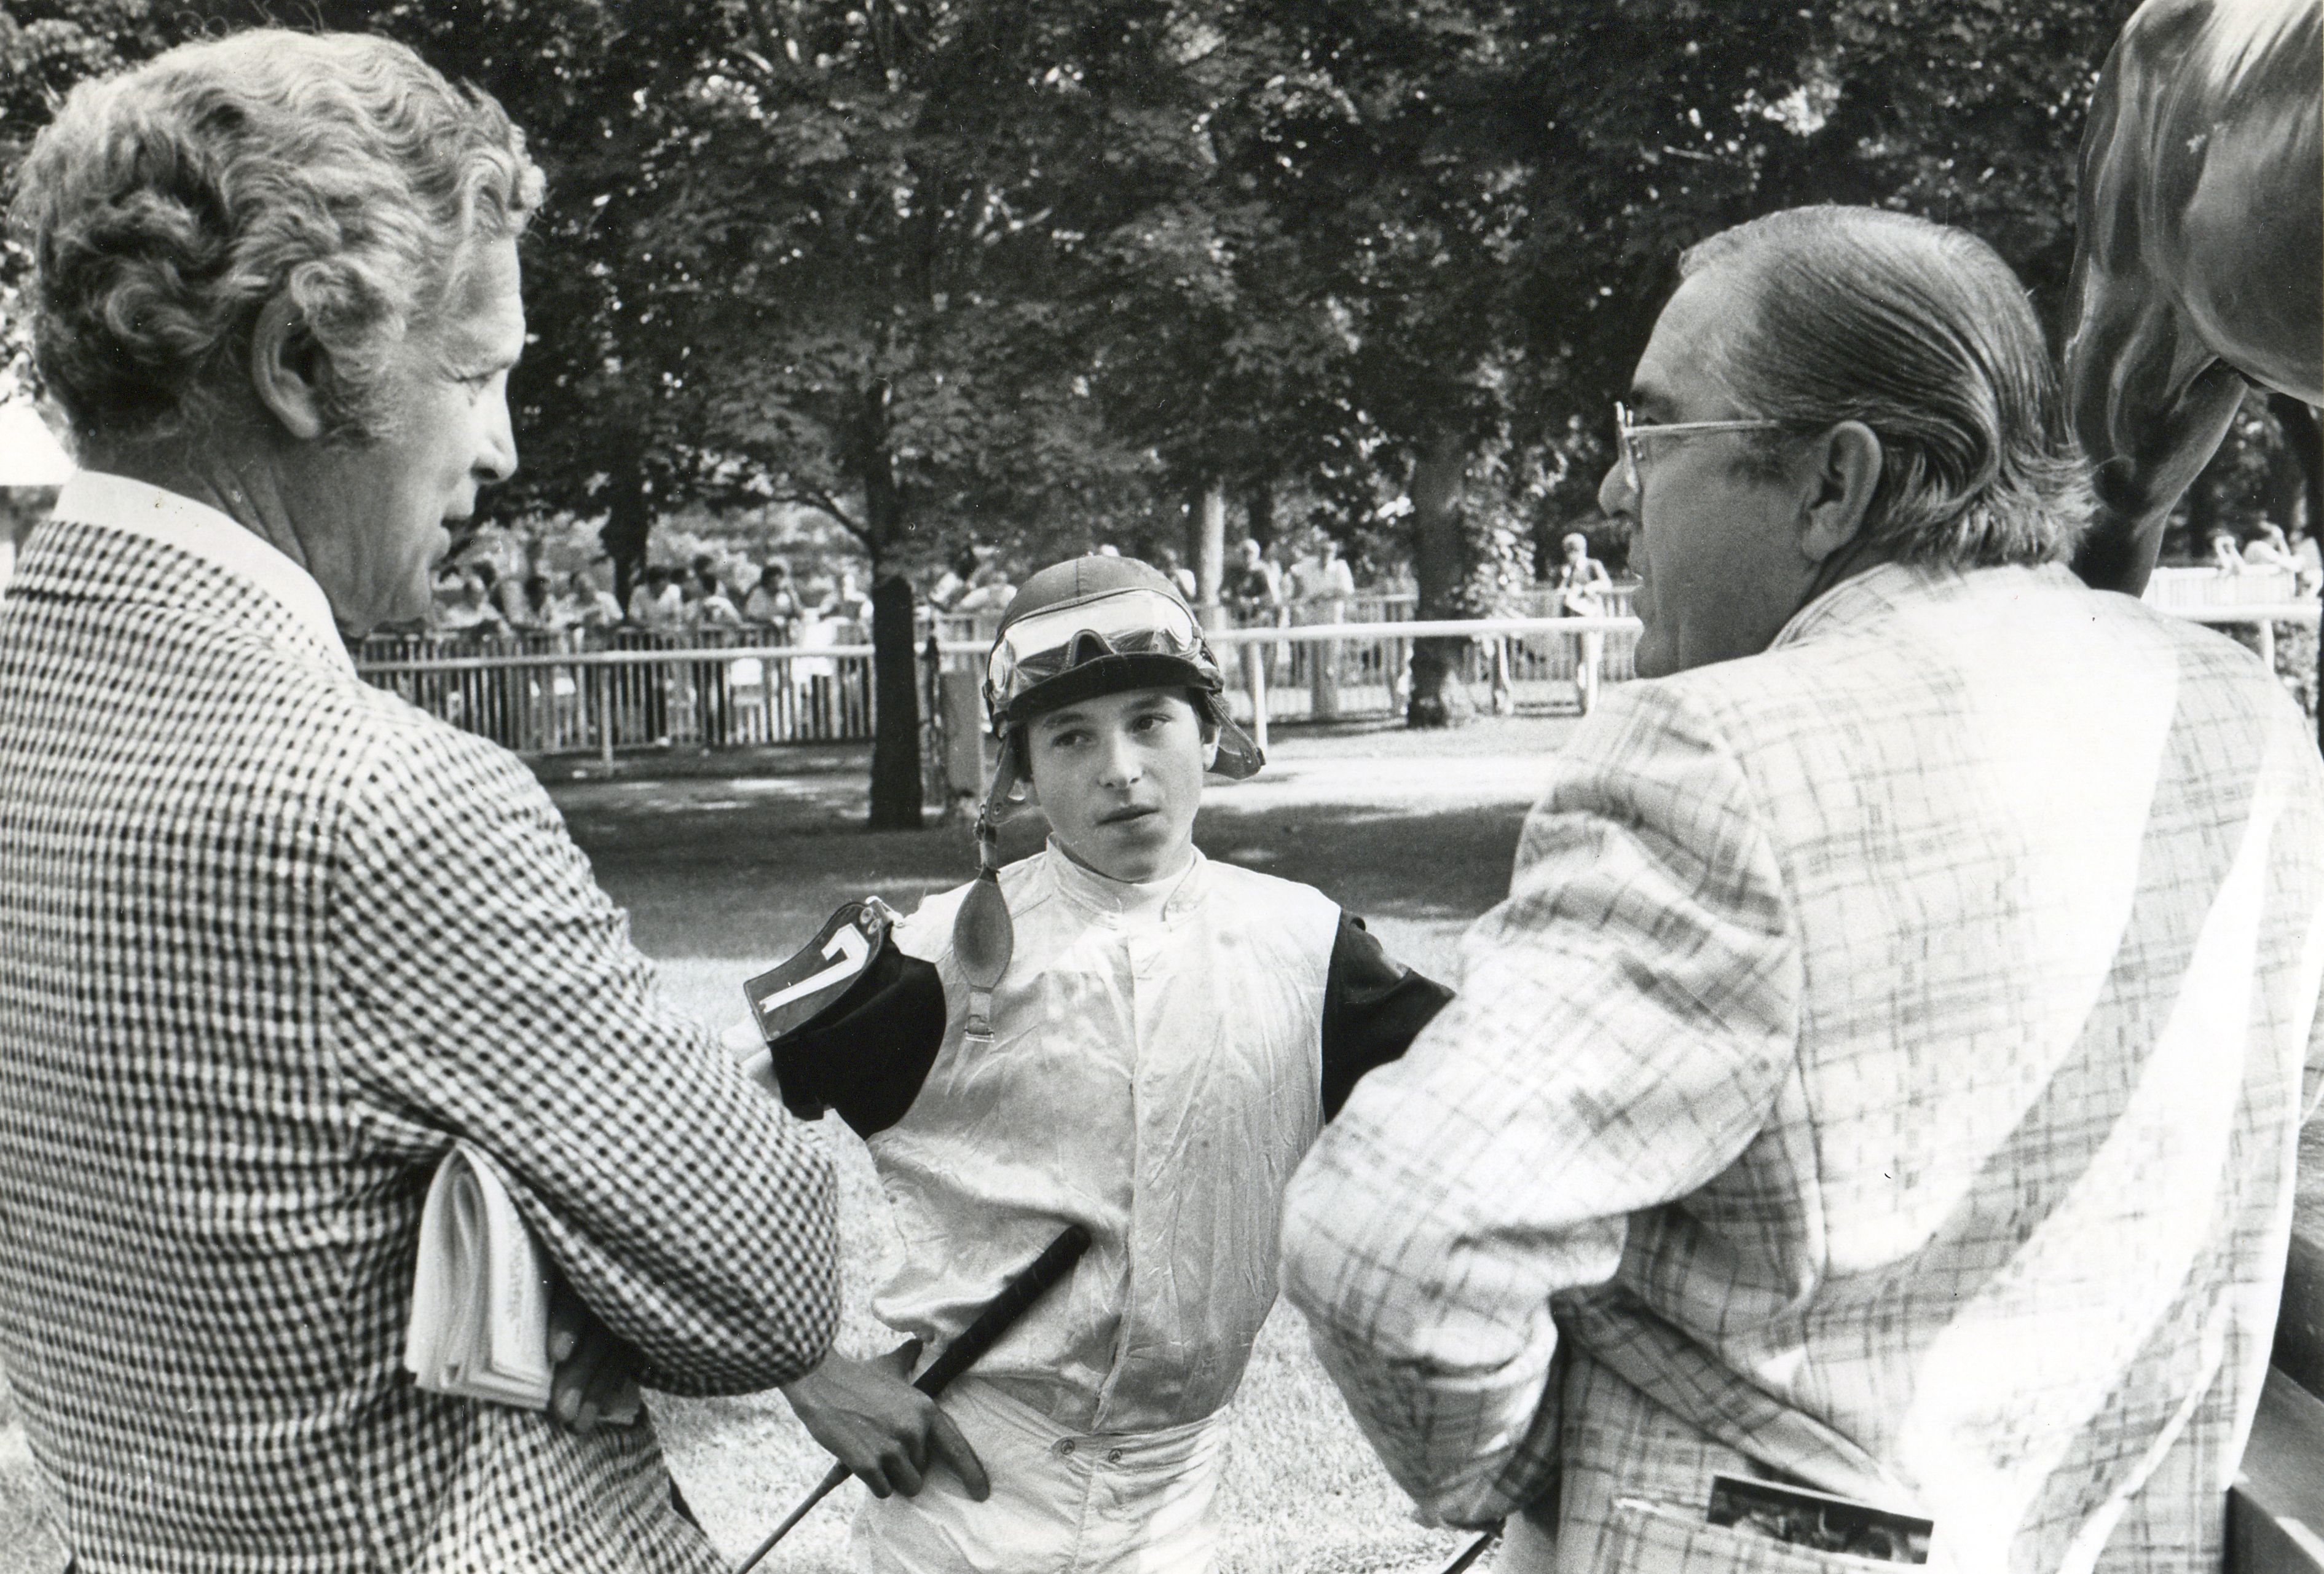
{"x": 588, "y": 690}
{"x": 605, "y": 692}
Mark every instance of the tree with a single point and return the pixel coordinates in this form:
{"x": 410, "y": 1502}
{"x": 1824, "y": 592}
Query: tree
{"x": 879, "y": 214}
{"x": 1537, "y": 167}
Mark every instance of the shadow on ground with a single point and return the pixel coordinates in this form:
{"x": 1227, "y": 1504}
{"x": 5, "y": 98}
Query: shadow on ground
{"x": 732, "y": 882}
{"x": 1391, "y": 824}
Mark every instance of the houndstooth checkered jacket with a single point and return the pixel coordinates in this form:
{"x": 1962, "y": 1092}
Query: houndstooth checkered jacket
{"x": 1890, "y": 1056}
{"x": 271, "y": 941}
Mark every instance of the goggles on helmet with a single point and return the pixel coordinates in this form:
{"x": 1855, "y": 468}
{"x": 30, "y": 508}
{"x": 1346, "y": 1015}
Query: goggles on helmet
{"x": 1042, "y": 645}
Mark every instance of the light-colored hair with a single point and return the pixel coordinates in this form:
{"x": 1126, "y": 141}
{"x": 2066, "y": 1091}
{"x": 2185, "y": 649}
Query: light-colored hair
{"x": 165, "y": 207}
{"x": 1921, "y": 331}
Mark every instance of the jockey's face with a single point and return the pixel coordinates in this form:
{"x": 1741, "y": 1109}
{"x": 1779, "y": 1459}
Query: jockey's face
{"x": 1120, "y": 777}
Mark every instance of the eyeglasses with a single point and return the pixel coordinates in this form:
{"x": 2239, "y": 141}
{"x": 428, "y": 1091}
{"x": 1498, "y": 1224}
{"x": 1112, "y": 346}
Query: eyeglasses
{"x": 1631, "y": 436}
{"x": 1126, "y": 622}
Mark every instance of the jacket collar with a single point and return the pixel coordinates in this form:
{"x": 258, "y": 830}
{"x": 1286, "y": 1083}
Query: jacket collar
{"x": 1888, "y": 587}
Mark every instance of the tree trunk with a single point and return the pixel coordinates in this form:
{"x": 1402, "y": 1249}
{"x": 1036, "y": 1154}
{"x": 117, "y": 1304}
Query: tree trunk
{"x": 895, "y": 707}
{"x": 2299, "y": 468}
{"x": 1259, "y": 511}
{"x": 896, "y": 778}
{"x": 1210, "y": 543}
{"x": 1440, "y": 561}
{"x": 629, "y": 523}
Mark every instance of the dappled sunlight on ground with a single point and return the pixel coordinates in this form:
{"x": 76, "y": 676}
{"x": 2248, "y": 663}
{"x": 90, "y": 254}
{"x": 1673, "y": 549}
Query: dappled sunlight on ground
{"x": 733, "y": 868}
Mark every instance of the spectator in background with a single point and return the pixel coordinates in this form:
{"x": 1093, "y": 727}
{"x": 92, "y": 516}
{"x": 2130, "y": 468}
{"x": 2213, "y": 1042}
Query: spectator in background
{"x": 850, "y": 606}
{"x": 272, "y": 940}
{"x": 771, "y": 602}
{"x": 2309, "y": 562}
{"x": 587, "y": 605}
{"x": 2269, "y": 549}
{"x": 1583, "y": 583}
{"x": 467, "y": 610}
{"x": 505, "y": 596}
{"x": 1253, "y": 595}
{"x": 444, "y": 597}
{"x": 2225, "y": 556}
{"x": 544, "y": 613}
{"x": 1321, "y": 585}
{"x": 1322, "y": 582}
{"x": 1253, "y": 590}
{"x": 708, "y": 613}
{"x": 657, "y": 602}
{"x": 989, "y": 591}
{"x": 954, "y": 584}
{"x": 1175, "y": 569}
{"x": 711, "y": 608}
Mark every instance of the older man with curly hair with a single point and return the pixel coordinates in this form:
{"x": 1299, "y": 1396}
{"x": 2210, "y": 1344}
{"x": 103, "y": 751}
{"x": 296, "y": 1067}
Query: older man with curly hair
{"x": 272, "y": 940}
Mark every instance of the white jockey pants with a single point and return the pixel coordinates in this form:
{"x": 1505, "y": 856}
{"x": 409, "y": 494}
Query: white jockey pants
{"x": 1063, "y": 1502}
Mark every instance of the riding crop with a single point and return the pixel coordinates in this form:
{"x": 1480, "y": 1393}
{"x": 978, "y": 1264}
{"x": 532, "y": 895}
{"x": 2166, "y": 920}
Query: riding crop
{"x": 1057, "y": 1260}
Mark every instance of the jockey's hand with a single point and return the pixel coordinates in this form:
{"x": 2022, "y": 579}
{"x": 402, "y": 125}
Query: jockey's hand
{"x": 594, "y": 1379}
{"x": 886, "y": 1431}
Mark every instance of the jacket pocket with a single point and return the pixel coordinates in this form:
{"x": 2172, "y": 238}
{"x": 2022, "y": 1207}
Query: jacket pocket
{"x": 1666, "y": 1538}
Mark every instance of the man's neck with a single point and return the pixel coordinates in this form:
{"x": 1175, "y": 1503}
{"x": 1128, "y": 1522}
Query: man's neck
{"x": 217, "y": 472}
{"x": 1860, "y": 556}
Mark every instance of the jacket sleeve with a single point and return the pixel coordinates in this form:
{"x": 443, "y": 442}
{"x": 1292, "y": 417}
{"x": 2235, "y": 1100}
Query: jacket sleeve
{"x": 481, "y": 987}
{"x": 1625, "y": 1019}
{"x": 1373, "y": 1007}
{"x": 868, "y": 1054}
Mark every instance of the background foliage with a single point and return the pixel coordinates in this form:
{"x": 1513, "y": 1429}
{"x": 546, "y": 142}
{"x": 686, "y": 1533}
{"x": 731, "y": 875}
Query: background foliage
{"x": 1045, "y": 273}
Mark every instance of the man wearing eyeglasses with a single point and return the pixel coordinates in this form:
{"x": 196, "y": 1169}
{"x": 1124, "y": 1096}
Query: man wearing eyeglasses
{"x": 1880, "y": 1087}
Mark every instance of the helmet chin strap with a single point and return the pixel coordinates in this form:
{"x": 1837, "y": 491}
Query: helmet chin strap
{"x": 983, "y": 935}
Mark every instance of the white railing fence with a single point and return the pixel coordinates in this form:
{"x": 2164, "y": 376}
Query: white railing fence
{"x": 604, "y": 694}
{"x": 565, "y": 693}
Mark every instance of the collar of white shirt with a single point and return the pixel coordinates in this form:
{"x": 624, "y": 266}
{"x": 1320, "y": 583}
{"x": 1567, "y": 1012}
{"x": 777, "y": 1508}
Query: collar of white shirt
{"x": 1129, "y": 899}
{"x": 116, "y": 503}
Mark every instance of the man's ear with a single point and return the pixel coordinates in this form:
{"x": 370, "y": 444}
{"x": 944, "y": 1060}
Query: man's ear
{"x": 287, "y": 369}
{"x": 1846, "y": 463}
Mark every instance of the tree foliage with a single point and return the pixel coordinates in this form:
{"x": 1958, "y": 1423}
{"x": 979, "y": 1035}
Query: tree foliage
{"x": 1036, "y": 271}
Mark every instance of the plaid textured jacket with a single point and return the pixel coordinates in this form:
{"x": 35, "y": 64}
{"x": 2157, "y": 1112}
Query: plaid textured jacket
{"x": 270, "y": 939}
{"x": 1885, "y": 1071}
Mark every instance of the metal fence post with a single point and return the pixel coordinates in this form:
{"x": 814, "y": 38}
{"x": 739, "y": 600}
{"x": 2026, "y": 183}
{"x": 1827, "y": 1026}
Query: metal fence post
{"x": 1256, "y": 671}
{"x": 601, "y": 686}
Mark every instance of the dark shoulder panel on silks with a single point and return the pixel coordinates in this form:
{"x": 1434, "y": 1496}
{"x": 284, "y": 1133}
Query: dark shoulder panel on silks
{"x": 1373, "y": 1008}
{"x": 866, "y": 1055}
